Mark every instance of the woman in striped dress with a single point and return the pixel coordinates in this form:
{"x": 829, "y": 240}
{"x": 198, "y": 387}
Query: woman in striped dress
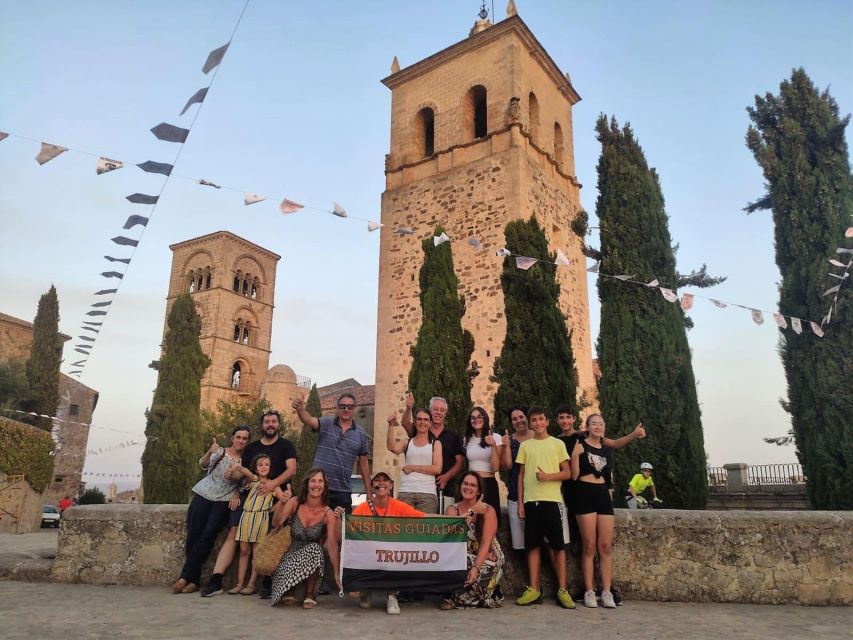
{"x": 254, "y": 523}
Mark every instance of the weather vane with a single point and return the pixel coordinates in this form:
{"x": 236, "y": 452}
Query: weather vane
{"x": 484, "y": 13}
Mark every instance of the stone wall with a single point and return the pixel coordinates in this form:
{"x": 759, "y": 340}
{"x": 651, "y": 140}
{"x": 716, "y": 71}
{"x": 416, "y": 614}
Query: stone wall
{"x": 769, "y": 498}
{"x": 687, "y": 556}
{"x": 21, "y": 506}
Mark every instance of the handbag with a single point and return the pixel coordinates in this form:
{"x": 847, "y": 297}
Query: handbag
{"x": 269, "y": 552}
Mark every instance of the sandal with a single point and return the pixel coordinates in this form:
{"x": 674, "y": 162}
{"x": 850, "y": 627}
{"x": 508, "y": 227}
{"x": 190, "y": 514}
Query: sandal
{"x": 247, "y": 591}
{"x": 446, "y": 604}
{"x": 288, "y": 601}
{"x": 238, "y": 588}
{"x": 309, "y": 603}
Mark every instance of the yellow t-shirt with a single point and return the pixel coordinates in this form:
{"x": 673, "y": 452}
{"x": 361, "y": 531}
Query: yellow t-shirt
{"x": 639, "y": 483}
{"x": 547, "y": 455}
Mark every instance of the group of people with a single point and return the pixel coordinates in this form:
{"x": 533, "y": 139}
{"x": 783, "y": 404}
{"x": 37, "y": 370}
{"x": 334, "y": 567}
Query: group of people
{"x": 246, "y": 486}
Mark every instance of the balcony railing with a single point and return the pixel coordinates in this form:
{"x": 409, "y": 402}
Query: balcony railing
{"x": 759, "y": 475}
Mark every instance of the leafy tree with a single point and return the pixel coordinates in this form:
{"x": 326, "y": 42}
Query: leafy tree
{"x": 536, "y": 365}
{"x": 218, "y": 424}
{"x": 14, "y": 387}
{"x": 441, "y": 357}
{"x": 305, "y": 440}
{"x": 647, "y": 374}
{"x": 797, "y": 137}
{"x": 45, "y": 357}
{"x": 92, "y": 496}
{"x": 169, "y": 462}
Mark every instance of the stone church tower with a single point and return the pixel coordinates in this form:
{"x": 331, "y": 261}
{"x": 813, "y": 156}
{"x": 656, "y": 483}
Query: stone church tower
{"x": 481, "y": 134}
{"x": 232, "y": 282}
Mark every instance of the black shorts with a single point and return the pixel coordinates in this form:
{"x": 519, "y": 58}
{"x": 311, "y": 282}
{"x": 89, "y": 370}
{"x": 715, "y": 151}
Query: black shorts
{"x": 545, "y": 521}
{"x": 588, "y": 497}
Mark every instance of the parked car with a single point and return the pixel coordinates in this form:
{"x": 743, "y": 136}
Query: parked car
{"x": 50, "y": 516}
{"x": 359, "y": 493}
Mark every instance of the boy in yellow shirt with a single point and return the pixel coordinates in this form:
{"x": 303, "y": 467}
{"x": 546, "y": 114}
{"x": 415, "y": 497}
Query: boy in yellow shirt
{"x": 544, "y": 464}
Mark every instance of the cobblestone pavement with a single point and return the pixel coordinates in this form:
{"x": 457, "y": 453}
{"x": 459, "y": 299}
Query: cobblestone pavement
{"x": 69, "y": 612}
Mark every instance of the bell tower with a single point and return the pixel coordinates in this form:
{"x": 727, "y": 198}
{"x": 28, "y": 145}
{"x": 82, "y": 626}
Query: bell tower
{"x": 232, "y": 283}
{"x": 481, "y": 134}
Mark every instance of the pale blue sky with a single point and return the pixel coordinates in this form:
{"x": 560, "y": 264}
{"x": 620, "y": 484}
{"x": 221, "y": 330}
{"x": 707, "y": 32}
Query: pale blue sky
{"x": 297, "y": 109}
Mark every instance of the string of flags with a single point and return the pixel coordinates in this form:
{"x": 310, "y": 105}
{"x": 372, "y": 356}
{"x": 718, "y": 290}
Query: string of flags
{"x": 89, "y": 474}
{"x": 84, "y": 424}
{"x": 121, "y": 445}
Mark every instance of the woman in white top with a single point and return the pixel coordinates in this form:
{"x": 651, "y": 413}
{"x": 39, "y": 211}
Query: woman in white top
{"x": 483, "y": 456}
{"x": 421, "y": 465}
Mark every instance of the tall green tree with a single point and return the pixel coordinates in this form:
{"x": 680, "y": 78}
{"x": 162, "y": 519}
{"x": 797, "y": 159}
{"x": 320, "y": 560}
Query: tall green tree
{"x": 313, "y": 403}
{"x": 169, "y": 462}
{"x": 536, "y": 365}
{"x": 647, "y": 374}
{"x": 305, "y": 440}
{"x": 14, "y": 387}
{"x": 441, "y": 357}
{"x": 219, "y": 423}
{"x": 45, "y": 357}
{"x": 798, "y": 139}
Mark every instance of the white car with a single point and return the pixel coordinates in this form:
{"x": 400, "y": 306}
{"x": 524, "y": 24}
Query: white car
{"x": 50, "y": 516}
{"x": 359, "y": 493}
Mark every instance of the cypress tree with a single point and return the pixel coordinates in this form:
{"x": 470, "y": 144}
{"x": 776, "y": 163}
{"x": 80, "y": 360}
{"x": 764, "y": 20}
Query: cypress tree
{"x": 313, "y": 403}
{"x": 442, "y": 353}
{"x": 797, "y": 137}
{"x": 305, "y": 440}
{"x": 45, "y": 357}
{"x": 536, "y": 365}
{"x": 169, "y": 462}
{"x": 647, "y": 374}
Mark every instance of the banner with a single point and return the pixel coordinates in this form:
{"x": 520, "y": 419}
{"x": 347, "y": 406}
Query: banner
{"x": 419, "y": 554}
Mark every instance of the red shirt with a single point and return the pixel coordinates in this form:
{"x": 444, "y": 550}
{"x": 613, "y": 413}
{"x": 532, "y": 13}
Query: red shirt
{"x": 64, "y": 504}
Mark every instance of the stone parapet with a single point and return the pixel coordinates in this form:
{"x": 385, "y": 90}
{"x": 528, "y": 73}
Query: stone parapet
{"x": 770, "y": 557}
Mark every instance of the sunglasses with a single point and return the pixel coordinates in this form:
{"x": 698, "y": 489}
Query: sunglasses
{"x": 345, "y": 407}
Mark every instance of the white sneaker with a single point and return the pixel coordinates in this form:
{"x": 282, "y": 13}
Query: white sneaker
{"x": 607, "y": 600}
{"x": 589, "y": 599}
{"x": 392, "y": 608}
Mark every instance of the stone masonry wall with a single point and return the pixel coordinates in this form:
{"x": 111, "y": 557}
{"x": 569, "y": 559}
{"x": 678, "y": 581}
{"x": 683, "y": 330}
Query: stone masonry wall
{"x": 688, "y": 556}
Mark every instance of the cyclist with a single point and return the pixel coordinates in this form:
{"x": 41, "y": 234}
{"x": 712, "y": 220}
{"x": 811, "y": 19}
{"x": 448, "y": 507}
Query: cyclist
{"x": 640, "y": 486}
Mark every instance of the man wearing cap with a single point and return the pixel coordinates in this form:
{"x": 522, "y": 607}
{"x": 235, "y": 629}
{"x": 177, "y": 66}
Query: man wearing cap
{"x": 384, "y": 506}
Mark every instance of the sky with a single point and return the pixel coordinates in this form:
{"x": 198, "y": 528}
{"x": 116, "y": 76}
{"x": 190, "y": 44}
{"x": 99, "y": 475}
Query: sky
{"x": 297, "y": 109}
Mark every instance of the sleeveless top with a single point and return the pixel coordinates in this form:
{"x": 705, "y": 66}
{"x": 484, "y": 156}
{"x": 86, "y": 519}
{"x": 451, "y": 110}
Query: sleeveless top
{"x": 418, "y": 482}
{"x": 596, "y": 461}
{"x": 300, "y": 535}
{"x": 479, "y": 458}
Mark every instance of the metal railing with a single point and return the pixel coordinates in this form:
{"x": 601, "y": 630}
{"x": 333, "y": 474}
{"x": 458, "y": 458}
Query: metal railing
{"x": 761, "y": 475}
{"x": 303, "y": 382}
{"x": 717, "y": 476}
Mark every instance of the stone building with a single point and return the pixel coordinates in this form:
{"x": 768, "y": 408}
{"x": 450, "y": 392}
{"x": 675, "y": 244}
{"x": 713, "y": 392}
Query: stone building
{"x": 77, "y": 404}
{"x": 364, "y": 399}
{"x": 481, "y": 134}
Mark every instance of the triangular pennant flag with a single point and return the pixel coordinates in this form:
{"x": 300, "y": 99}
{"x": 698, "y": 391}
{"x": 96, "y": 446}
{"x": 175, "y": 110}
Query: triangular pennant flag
{"x": 843, "y": 276}
{"x": 105, "y": 303}
{"x": 373, "y": 226}
{"x": 796, "y": 325}
{"x": 83, "y": 346}
{"x": 208, "y": 183}
{"x": 289, "y": 206}
{"x": 112, "y": 274}
{"x": 85, "y": 353}
{"x": 252, "y": 198}
{"x": 816, "y": 329}
{"x": 87, "y": 338}
{"x": 668, "y": 294}
{"x": 440, "y": 240}
{"x": 141, "y": 198}
{"x": 594, "y": 268}
{"x": 3, "y": 135}
{"x": 523, "y": 262}
{"x": 475, "y": 243}
{"x": 503, "y": 253}
{"x": 214, "y": 58}
{"x": 134, "y": 220}
{"x": 49, "y": 152}
{"x": 91, "y": 329}
{"x": 197, "y": 98}
{"x": 623, "y": 277}
{"x": 94, "y": 324}
{"x": 125, "y": 241}
{"x": 105, "y": 165}
{"x": 79, "y": 363}
{"x": 780, "y": 320}
{"x": 404, "y": 231}
{"x": 562, "y": 260}
{"x": 686, "y": 301}
{"x": 827, "y": 317}
{"x": 104, "y": 292}
{"x": 149, "y": 166}
{"x": 757, "y": 316}
{"x": 111, "y": 259}
{"x": 338, "y": 210}
{"x": 717, "y": 303}
{"x": 842, "y": 250}
{"x": 74, "y": 373}
{"x": 170, "y": 133}
{"x": 831, "y": 290}
{"x": 653, "y": 283}
{"x": 849, "y": 232}
{"x": 836, "y": 263}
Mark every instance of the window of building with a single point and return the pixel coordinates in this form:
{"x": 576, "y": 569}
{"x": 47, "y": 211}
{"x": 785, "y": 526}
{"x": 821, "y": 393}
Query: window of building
{"x": 558, "y": 144}
{"x": 425, "y": 132}
{"x": 533, "y": 108}
{"x": 235, "y": 376}
{"x": 74, "y": 410}
{"x": 476, "y": 113}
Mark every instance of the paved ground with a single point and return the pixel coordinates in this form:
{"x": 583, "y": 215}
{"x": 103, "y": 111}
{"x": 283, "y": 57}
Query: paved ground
{"x": 29, "y": 610}
{"x": 40, "y": 544}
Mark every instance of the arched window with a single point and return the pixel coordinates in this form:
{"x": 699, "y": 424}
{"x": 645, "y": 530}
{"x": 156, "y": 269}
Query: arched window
{"x": 192, "y": 282}
{"x": 236, "y": 285}
{"x": 235, "y": 376}
{"x": 207, "y": 278}
{"x": 533, "y": 108}
{"x": 255, "y": 289}
{"x": 237, "y": 332}
{"x": 246, "y": 334}
{"x": 558, "y": 144}
{"x": 245, "y": 289}
{"x": 200, "y": 281}
{"x": 425, "y": 132}
{"x": 476, "y": 112}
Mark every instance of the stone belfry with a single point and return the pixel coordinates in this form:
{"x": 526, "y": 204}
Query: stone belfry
{"x": 232, "y": 282}
{"x": 481, "y": 134}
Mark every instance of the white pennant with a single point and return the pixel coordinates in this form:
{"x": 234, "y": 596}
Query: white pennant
{"x": 523, "y": 262}
{"x": 653, "y": 283}
{"x": 668, "y": 294}
{"x": 503, "y": 253}
{"x": 338, "y": 210}
{"x": 252, "y": 198}
{"x": 475, "y": 243}
{"x": 623, "y": 277}
{"x": 827, "y": 317}
{"x": 717, "y": 303}
{"x": 373, "y": 226}
{"x": 757, "y": 316}
{"x": 686, "y": 301}
{"x": 816, "y": 329}
{"x": 440, "y": 240}
{"x": 289, "y": 206}
{"x": 562, "y": 260}
{"x": 842, "y": 250}
{"x": 780, "y": 320}
{"x": 105, "y": 165}
{"x": 837, "y": 263}
{"x": 843, "y": 276}
{"x": 796, "y": 325}
{"x": 49, "y": 152}
{"x": 594, "y": 268}
{"x": 849, "y": 232}
{"x": 831, "y": 290}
